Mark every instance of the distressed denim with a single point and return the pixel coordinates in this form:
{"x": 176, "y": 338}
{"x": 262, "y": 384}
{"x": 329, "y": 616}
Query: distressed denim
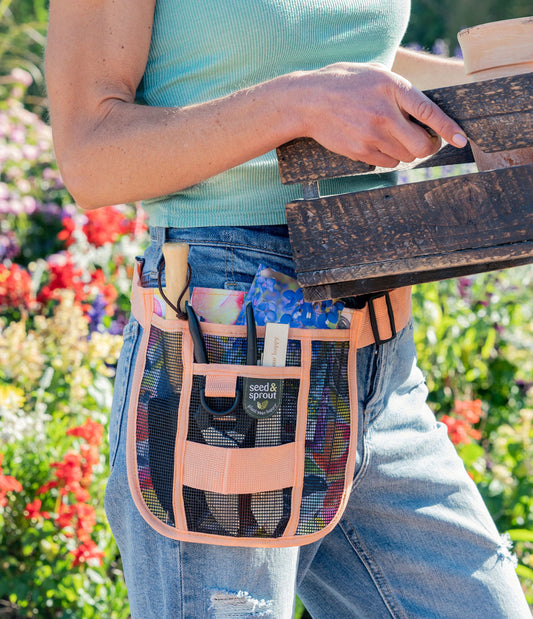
{"x": 415, "y": 541}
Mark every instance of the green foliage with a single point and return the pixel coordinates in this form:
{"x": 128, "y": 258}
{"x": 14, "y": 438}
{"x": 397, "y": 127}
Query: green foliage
{"x": 442, "y": 19}
{"x": 22, "y": 40}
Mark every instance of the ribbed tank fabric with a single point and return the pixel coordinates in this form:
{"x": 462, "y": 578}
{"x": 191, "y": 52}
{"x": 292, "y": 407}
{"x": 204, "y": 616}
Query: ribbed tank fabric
{"x": 204, "y": 49}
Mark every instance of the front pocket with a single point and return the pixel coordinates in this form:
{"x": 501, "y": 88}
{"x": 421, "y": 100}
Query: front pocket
{"x": 203, "y": 469}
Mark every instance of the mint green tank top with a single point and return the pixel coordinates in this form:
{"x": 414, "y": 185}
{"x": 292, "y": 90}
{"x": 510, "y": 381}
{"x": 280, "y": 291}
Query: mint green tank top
{"x": 204, "y": 49}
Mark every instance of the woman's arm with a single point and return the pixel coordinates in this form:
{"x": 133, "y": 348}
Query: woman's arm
{"x": 112, "y": 150}
{"x": 427, "y": 71}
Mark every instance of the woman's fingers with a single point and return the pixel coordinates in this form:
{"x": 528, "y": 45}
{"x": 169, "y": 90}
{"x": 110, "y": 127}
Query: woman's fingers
{"x": 366, "y": 112}
{"x": 417, "y": 105}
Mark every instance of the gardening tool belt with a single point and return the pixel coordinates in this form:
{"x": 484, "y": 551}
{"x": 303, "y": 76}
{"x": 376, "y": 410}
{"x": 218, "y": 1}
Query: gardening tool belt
{"x": 201, "y": 469}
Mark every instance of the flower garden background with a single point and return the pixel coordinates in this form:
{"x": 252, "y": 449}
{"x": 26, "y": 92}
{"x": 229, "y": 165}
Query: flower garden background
{"x": 64, "y": 286}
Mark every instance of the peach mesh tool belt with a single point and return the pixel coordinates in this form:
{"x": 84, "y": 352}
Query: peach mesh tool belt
{"x": 199, "y": 477}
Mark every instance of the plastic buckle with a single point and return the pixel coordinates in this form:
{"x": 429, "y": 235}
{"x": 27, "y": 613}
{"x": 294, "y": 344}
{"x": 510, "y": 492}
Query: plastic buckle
{"x": 374, "y": 321}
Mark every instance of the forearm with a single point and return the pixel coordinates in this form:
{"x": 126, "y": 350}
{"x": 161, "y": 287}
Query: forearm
{"x": 426, "y": 71}
{"x": 125, "y": 152}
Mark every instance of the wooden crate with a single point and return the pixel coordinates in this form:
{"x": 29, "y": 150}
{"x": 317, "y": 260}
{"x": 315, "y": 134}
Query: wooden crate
{"x": 380, "y": 239}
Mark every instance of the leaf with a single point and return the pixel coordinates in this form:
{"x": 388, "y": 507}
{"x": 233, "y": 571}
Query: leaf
{"x": 524, "y": 572}
{"x": 521, "y": 535}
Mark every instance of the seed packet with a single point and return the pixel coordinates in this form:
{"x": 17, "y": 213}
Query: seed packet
{"x": 217, "y": 305}
{"x": 276, "y": 297}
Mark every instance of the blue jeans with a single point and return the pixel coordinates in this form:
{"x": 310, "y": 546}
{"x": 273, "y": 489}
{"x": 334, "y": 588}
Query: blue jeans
{"x": 415, "y": 540}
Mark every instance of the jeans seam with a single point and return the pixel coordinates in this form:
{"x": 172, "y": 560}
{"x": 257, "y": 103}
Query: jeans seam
{"x": 373, "y": 570}
{"x": 359, "y": 476}
{"x": 381, "y": 379}
{"x": 124, "y": 403}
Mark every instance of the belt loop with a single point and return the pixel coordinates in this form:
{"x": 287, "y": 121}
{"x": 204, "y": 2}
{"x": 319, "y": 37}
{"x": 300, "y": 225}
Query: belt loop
{"x": 374, "y": 323}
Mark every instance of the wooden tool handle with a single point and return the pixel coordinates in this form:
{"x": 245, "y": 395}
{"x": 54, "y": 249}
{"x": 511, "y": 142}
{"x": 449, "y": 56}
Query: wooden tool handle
{"x": 176, "y": 255}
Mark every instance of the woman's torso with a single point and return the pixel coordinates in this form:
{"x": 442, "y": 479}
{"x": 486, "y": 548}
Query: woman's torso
{"x": 206, "y": 49}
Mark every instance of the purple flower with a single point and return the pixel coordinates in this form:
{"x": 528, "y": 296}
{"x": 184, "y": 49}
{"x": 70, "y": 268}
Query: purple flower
{"x": 464, "y": 285}
{"x": 9, "y": 247}
{"x": 440, "y": 48}
{"x": 96, "y": 313}
{"x": 117, "y": 326}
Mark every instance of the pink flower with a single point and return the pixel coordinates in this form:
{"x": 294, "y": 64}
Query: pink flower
{"x": 21, "y": 77}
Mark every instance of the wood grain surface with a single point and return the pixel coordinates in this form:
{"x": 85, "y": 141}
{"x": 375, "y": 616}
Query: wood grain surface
{"x": 383, "y": 238}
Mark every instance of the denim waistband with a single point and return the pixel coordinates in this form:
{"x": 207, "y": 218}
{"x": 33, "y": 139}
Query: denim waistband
{"x": 272, "y": 237}
{"x": 272, "y": 240}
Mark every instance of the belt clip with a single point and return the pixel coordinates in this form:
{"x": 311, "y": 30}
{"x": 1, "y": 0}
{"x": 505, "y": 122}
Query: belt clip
{"x": 374, "y": 321}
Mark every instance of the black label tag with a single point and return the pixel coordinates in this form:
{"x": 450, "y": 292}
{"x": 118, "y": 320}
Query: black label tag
{"x": 261, "y": 397}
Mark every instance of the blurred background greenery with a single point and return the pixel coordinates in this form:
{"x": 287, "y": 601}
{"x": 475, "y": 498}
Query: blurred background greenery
{"x": 442, "y": 19}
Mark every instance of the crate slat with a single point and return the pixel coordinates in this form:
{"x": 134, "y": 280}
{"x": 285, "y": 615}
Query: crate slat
{"x": 404, "y": 234}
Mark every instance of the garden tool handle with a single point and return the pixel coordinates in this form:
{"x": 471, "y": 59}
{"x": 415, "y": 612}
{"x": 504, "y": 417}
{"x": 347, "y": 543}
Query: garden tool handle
{"x": 176, "y": 275}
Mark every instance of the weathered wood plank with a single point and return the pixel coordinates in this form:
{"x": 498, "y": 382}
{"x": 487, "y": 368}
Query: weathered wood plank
{"x": 447, "y": 155}
{"x": 524, "y": 255}
{"x": 428, "y": 226}
{"x": 305, "y": 160}
{"x": 496, "y": 114}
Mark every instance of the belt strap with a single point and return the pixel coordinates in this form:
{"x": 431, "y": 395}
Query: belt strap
{"x": 383, "y": 316}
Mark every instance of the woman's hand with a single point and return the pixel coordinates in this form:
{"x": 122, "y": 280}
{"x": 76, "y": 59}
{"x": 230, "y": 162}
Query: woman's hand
{"x": 362, "y": 111}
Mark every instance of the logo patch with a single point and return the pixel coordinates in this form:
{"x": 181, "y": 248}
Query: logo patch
{"x": 261, "y": 397}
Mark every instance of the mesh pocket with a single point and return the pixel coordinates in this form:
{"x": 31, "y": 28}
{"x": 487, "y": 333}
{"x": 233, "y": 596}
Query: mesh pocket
{"x": 327, "y": 436}
{"x": 263, "y": 514}
{"x": 156, "y": 423}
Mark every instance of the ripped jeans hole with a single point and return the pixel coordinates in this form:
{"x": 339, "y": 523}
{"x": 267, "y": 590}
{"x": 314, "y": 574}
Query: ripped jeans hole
{"x": 505, "y": 550}
{"x": 242, "y": 604}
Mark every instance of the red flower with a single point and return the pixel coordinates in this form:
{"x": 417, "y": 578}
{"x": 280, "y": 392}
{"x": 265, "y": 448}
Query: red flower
{"x": 7, "y": 484}
{"x": 91, "y": 431}
{"x": 69, "y": 469}
{"x": 75, "y": 517}
{"x": 33, "y": 510}
{"x": 63, "y": 275}
{"x": 85, "y": 551}
{"x": 469, "y": 410}
{"x": 68, "y": 228}
{"x": 45, "y": 487}
{"x": 460, "y": 430}
{"x": 65, "y": 516}
{"x": 104, "y": 225}
{"x": 86, "y": 521}
{"x": 15, "y": 288}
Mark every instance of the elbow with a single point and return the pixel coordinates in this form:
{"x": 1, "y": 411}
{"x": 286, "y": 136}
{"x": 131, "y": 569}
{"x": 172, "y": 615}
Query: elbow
{"x": 82, "y": 181}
